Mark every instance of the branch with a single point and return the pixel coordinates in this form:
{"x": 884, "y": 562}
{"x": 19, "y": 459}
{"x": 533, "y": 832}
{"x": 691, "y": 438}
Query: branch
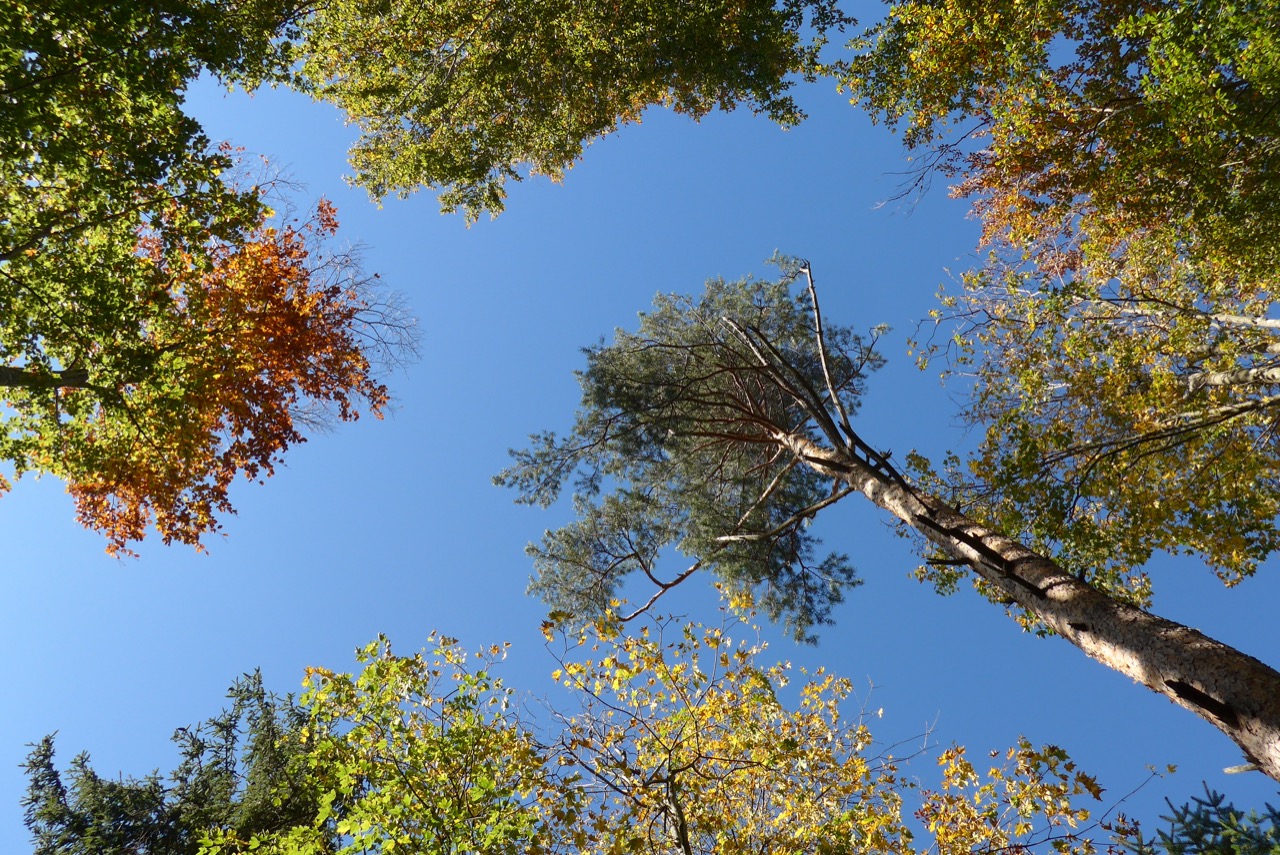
{"x": 806, "y": 398}
{"x": 71, "y": 378}
{"x": 790, "y": 522}
{"x": 822, "y": 353}
{"x": 663, "y": 587}
{"x": 1244, "y": 321}
{"x": 768, "y": 491}
{"x": 1262, "y": 376}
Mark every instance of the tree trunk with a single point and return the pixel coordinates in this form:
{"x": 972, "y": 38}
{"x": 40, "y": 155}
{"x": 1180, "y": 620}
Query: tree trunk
{"x": 1236, "y": 693}
{"x": 1268, "y": 376}
{"x": 74, "y": 378}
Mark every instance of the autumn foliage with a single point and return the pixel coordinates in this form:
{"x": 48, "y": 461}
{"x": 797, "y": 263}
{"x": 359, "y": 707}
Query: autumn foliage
{"x": 232, "y": 351}
{"x": 1122, "y": 160}
{"x": 680, "y": 738}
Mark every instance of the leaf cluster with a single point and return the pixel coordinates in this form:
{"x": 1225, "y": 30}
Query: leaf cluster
{"x": 423, "y": 754}
{"x": 202, "y": 364}
{"x": 683, "y": 742}
{"x": 91, "y": 105}
{"x": 1122, "y": 159}
{"x": 1154, "y": 409}
{"x": 1080, "y": 127}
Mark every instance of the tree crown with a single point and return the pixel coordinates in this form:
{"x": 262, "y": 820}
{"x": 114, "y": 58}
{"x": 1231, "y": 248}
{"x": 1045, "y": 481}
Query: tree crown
{"x": 681, "y": 442}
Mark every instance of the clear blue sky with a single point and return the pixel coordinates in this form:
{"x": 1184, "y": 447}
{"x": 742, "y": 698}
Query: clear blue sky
{"x": 394, "y": 526}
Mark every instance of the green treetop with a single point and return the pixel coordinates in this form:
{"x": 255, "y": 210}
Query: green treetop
{"x": 678, "y": 444}
{"x": 241, "y": 770}
{"x": 466, "y": 96}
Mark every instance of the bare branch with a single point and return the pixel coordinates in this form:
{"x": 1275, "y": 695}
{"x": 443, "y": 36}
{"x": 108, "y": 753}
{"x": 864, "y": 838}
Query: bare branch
{"x": 822, "y": 353}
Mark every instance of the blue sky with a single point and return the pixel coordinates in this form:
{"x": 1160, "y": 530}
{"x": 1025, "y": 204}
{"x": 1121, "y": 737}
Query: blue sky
{"x": 394, "y": 526}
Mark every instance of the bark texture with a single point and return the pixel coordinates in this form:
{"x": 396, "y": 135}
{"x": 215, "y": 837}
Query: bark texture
{"x": 1233, "y": 691}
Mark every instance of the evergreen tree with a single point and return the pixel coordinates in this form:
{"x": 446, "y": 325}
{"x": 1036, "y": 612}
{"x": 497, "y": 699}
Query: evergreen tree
{"x": 725, "y": 423}
{"x": 1211, "y": 826}
{"x": 242, "y": 771}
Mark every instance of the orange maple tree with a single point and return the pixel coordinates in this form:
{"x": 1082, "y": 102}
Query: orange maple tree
{"x": 223, "y": 354}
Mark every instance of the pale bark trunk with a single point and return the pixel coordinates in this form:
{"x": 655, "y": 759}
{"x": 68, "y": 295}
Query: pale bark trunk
{"x": 1244, "y": 321}
{"x": 1268, "y": 376}
{"x": 1236, "y": 693}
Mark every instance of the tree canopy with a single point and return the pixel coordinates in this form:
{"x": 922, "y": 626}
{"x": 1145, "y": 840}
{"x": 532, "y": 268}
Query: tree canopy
{"x": 681, "y": 425}
{"x": 91, "y": 106}
{"x": 1209, "y": 825}
{"x": 677, "y": 738}
{"x": 160, "y": 330}
{"x": 149, "y": 370}
{"x": 241, "y": 770}
{"x": 1086, "y": 130}
{"x": 1122, "y": 158}
{"x": 465, "y": 97}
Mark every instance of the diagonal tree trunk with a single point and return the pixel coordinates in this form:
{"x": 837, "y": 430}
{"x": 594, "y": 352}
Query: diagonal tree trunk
{"x": 741, "y": 370}
{"x": 1233, "y": 691}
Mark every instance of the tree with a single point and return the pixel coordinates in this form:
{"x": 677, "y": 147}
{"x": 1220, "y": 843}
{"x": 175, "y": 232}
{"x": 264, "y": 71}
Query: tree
{"x": 1211, "y": 826}
{"x": 241, "y": 770}
{"x": 743, "y": 397}
{"x": 1123, "y": 160}
{"x": 152, "y": 369}
{"x": 1081, "y": 127}
{"x": 159, "y": 334}
{"x": 675, "y": 740}
{"x": 681, "y": 742}
{"x": 1097, "y": 137}
{"x": 424, "y": 753}
{"x": 466, "y": 97}
{"x": 1122, "y": 421}
{"x": 698, "y": 467}
{"x": 91, "y": 107}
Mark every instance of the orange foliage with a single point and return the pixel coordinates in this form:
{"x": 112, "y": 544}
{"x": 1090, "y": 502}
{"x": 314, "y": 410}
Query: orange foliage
{"x": 239, "y": 344}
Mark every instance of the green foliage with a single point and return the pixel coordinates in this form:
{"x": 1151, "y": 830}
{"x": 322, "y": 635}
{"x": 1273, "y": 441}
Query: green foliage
{"x": 422, "y": 754}
{"x": 1153, "y": 409}
{"x": 91, "y": 106}
{"x": 466, "y": 96}
{"x": 1084, "y": 125}
{"x": 95, "y": 145}
{"x": 1211, "y": 826}
{"x": 242, "y": 771}
{"x": 679, "y": 444}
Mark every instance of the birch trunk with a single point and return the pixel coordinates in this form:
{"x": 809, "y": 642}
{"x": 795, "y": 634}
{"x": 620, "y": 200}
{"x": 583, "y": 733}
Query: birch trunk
{"x": 1268, "y": 376}
{"x": 1234, "y": 692}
